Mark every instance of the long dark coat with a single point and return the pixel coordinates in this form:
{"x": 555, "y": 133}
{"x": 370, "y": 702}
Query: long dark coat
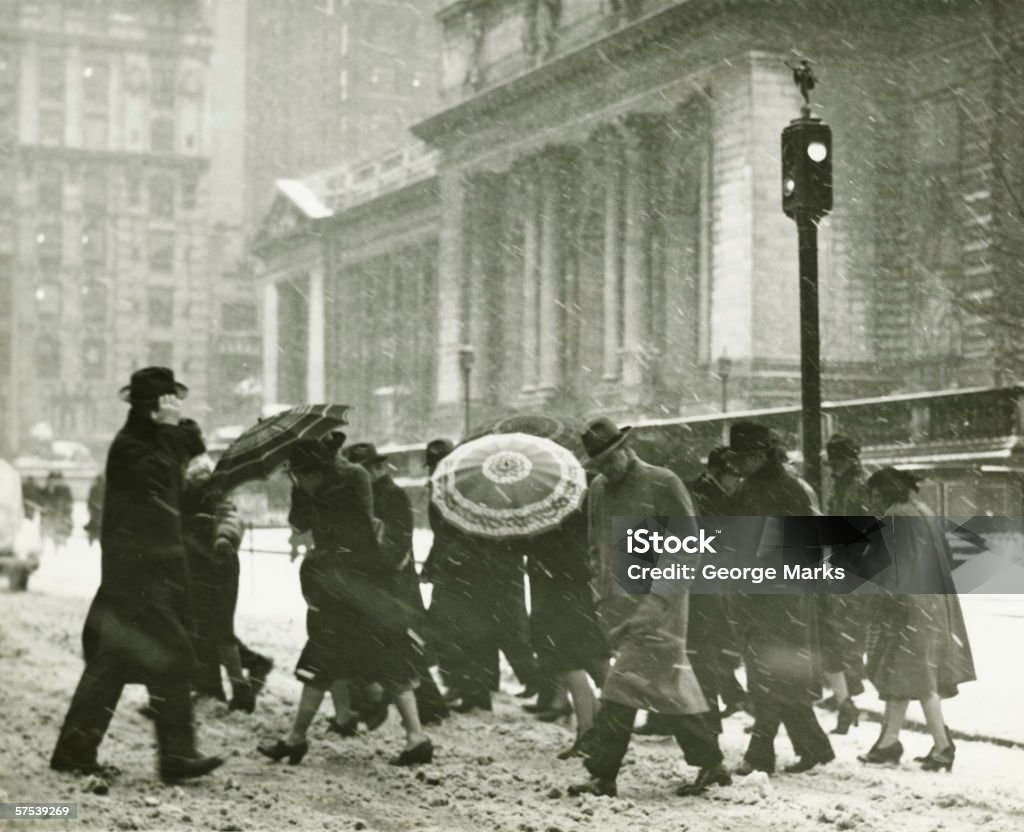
{"x": 141, "y": 611}
{"x": 356, "y": 629}
{"x": 779, "y": 632}
{"x": 919, "y": 643}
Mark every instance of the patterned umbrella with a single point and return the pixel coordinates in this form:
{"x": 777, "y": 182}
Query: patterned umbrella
{"x": 263, "y": 447}
{"x": 508, "y": 485}
{"x": 563, "y": 431}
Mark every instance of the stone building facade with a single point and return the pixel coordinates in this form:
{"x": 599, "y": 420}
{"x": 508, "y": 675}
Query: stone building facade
{"x": 610, "y": 227}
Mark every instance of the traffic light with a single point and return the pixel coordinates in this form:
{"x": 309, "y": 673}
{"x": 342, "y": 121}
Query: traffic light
{"x": 807, "y": 168}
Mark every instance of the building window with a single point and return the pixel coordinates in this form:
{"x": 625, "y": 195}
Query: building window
{"x": 239, "y": 316}
{"x": 94, "y": 131}
{"x": 94, "y": 302}
{"x": 50, "y": 242}
{"x": 161, "y": 251}
{"x": 93, "y": 241}
{"x": 188, "y": 193}
{"x": 161, "y": 197}
{"x": 47, "y": 296}
{"x": 133, "y": 185}
{"x": 50, "y": 191}
{"x": 47, "y": 357}
{"x": 161, "y": 305}
{"x": 94, "y": 192}
{"x": 162, "y": 90}
{"x": 160, "y": 354}
{"x": 93, "y": 358}
{"x": 51, "y": 79}
{"x": 96, "y": 85}
{"x": 161, "y": 135}
{"x": 51, "y": 127}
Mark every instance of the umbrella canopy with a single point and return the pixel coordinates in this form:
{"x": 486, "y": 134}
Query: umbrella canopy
{"x": 263, "y": 447}
{"x": 562, "y": 431}
{"x": 508, "y": 485}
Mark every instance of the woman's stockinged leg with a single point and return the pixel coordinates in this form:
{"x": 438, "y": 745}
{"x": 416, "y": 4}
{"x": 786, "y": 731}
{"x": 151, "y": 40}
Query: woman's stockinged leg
{"x": 405, "y": 702}
{"x": 895, "y": 714}
{"x": 584, "y": 702}
{"x": 342, "y": 701}
{"x": 309, "y": 704}
{"x": 932, "y": 707}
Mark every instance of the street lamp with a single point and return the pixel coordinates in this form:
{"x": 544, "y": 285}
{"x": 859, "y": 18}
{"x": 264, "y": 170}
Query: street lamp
{"x": 467, "y": 356}
{"x": 807, "y": 198}
{"x": 724, "y": 368}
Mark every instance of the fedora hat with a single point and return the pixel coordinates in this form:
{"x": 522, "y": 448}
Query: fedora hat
{"x": 750, "y": 438}
{"x": 364, "y": 453}
{"x": 602, "y": 437}
{"x": 309, "y": 456}
{"x": 150, "y": 383}
{"x": 842, "y": 447}
{"x": 436, "y": 450}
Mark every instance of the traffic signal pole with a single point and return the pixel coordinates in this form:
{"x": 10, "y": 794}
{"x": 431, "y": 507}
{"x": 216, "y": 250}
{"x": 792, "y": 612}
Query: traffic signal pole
{"x": 806, "y": 198}
{"x": 810, "y": 352}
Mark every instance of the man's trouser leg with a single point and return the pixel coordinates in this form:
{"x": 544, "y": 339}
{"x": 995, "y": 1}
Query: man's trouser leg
{"x": 704, "y": 668}
{"x": 806, "y": 735}
{"x": 175, "y": 731}
{"x": 605, "y": 744}
{"x": 698, "y": 741}
{"x": 92, "y": 707}
{"x": 761, "y": 750}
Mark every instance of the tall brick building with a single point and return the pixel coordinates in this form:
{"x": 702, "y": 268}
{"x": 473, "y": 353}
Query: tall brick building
{"x": 609, "y": 186}
{"x": 104, "y": 163}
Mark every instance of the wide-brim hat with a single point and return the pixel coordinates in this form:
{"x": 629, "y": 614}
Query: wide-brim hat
{"x": 364, "y": 453}
{"x": 309, "y": 456}
{"x": 750, "y": 438}
{"x": 840, "y": 446}
{"x": 150, "y": 383}
{"x": 601, "y": 437}
{"x": 436, "y": 450}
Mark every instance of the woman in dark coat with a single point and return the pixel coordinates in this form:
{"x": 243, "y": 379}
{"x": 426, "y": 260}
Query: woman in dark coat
{"x": 357, "y": 629}
{"x": 919, "y": 649}
{"x": 564, "y": 629}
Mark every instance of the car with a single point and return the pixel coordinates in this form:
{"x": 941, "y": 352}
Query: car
{"x": 20, "y": 540}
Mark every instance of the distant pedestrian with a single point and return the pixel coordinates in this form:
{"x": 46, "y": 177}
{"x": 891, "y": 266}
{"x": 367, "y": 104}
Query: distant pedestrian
{"x": 58, "y": 505}
{"x": 779, "y": 632}
{"x": 919, "y": 647}
{"x": 844, "y": 618}
{"x": 136, "y": 630}
{"x": 95, "y": 506}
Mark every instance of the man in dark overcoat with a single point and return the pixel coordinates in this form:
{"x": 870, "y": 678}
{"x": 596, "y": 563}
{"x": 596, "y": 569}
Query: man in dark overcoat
{"x": 137, "y": 627}
{"x": 780, "y": 637}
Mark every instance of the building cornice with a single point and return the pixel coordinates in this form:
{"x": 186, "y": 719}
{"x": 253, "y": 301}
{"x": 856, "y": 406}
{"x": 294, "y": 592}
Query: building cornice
{"x": 147, "y": 40}
{"x": 81, "y": 154}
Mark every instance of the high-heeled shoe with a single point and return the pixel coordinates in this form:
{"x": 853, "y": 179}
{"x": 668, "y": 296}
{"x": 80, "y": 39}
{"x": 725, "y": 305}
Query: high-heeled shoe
{"x": 849, "y": 714}
{"x": 878, "y": 755}
{"x": 420, "y": 753}
{"x": 348, "y": 728}
{"x": 280, "y": 749}
{"x": 949, "y": 739}
{"x": 938, "y": 760}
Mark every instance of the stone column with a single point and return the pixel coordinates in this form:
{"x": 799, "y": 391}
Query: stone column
{"x": 636, "y": 261}
{"x": 451, "y": 267}
{"x": 270, "y": 344}
{"x": 531, "y": 268}
{"x": 315, "y": 336}
{"x": 612, "y": 341}
{"x": 550, "y": 289}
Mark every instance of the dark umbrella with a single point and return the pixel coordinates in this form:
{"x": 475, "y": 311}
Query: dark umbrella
{"x": 564, "y": 432}
{"x": 263, "y": 447}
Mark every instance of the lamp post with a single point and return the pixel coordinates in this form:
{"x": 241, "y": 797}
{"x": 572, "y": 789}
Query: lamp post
{"x": 806, "y": 199}
{"x": 724, "y": 368}
{"x": 467, "y": 356}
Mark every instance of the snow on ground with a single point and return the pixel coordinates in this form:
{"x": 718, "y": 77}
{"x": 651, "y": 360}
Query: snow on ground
{"x": 493, "y": 773}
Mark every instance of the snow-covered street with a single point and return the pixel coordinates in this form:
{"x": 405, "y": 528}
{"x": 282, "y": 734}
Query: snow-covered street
{"x": 495, "y": 773}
